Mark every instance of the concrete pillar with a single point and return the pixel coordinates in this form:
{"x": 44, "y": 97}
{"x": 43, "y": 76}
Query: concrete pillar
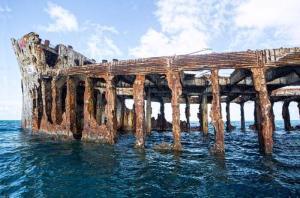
{"x": 187, "y": 113}
{"x": 174, "y": 84}
{"x": 110, "y": 108}
{"x": 162, "y": 121}
{"x": 242, "y": 116}
{"x": 216, "y": 116}
{"x": 266, "y": 128}
{"x": 149, "y": 112}
{"x": 229, "y": 127}
{"x": 204, "y": 116}
{"x": 286, "y": 116}
{"x": 88, "y": 108}
{"x": 138, "y": 97}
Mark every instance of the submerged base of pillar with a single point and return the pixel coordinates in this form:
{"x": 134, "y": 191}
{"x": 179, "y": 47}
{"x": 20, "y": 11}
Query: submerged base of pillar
{"x": 217, "y": 149}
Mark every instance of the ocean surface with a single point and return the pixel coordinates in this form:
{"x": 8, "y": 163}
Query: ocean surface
{"x": 39, "y": 166}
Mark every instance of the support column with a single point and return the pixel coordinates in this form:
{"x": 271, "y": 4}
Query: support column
{"x": 162, "y": 115}
{"x": 286, "y": 116}
{"x": 229, "y": 127}
{"x": 204, "y": 117}
{"x": 257, "y": 116}
{"x": 55, "y": 96}
{"x": 174, "y": 84}
{"x": 272, "y": 116}
{"x": 70, "y": 106}
{"x": 187, "y": 113}
{"x": 99, "y": 108}
{"x": 110, "y": 108}
{"x": 88, "y": 109}
{"x": 266, "y": 129}
{"x": 242, "y": 116}
{"x": 199, "y": 114}
{"x": 149, "y": 112}
{"x": 138, "y": 97}
{"x": 122, "y": 113}
{"x": 216, "y": 116}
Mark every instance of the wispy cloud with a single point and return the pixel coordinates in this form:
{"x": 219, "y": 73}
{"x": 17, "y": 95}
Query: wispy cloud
{"x": 185, "y": 26}
{"x": 5, "y": 9}
{"x": 100, "y": 44}
{"x": 97, "y": 38}
{"x": 277, "y": 19}
{"x": 63, "y": 19}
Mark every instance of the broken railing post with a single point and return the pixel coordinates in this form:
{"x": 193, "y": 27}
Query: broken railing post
{"x": 187, "y": 113}
{"x": 266, "y": 128}
{"x": 110, "y": 108}
{"x": 286, "y": 116}
{"x": 138, "y": 97}
{"x": 242, "y": 116}
{"x": 174, "y": 83}
{"x": 148, "y": 111}
{"x": 204, "y": 116}
{"x": 215, "y": 113}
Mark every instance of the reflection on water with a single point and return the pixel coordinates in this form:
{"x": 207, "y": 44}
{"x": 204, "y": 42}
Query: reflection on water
{"x": 40, "y": 166}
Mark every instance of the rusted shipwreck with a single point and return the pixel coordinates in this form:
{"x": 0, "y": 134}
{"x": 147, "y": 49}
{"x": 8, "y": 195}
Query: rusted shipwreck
{"x": 67, "y": 94}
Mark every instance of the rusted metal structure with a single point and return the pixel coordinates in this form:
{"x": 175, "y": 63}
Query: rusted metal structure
{"x": 67, "y": 94}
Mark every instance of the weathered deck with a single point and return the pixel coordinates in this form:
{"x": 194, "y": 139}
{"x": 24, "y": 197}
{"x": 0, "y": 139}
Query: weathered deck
{"x": 65, "y": 93}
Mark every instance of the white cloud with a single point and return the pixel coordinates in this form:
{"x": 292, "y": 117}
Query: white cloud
{"x": 64, "y": 20}
{"x": 276, "y": 19}
{"x": 4, "y": 9}
{"x": 100, "y": 44}
{"x": 97, "y": 38}
{"x": 185, "y": 26}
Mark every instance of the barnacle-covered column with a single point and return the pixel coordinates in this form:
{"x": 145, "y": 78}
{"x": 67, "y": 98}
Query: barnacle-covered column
{"x": 257, "y": 116}
{"x": 187, "y": 113}
{"x": 242, "y": 116}
{"x": 286, "y": 116}
{"x": 148, "y": 111}
{"x": 138, "y": 97}
{"x": 204, "y": 117}
{"x": 122, "y": 118}
{"x": 110, "y": 108}
{"x": 266, "y": 128}
{"x": 229, "y": 127}
{"x": 174, "y": 84}
{"x": 215, "y": 113}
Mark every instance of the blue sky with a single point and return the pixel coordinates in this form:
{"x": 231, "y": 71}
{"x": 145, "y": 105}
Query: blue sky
{"x": 132, "y": 28}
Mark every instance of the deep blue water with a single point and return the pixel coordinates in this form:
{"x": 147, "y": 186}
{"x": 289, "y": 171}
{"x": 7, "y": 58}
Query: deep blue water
{"x": 36, "y": 166}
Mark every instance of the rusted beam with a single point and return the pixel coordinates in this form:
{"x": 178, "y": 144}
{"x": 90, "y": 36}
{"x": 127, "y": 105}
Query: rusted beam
{"x": 174, "y": 83}
{"x": 138, "y": 97}
{"x": 215, "y": 114}
{"x": 266, "y": 129}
